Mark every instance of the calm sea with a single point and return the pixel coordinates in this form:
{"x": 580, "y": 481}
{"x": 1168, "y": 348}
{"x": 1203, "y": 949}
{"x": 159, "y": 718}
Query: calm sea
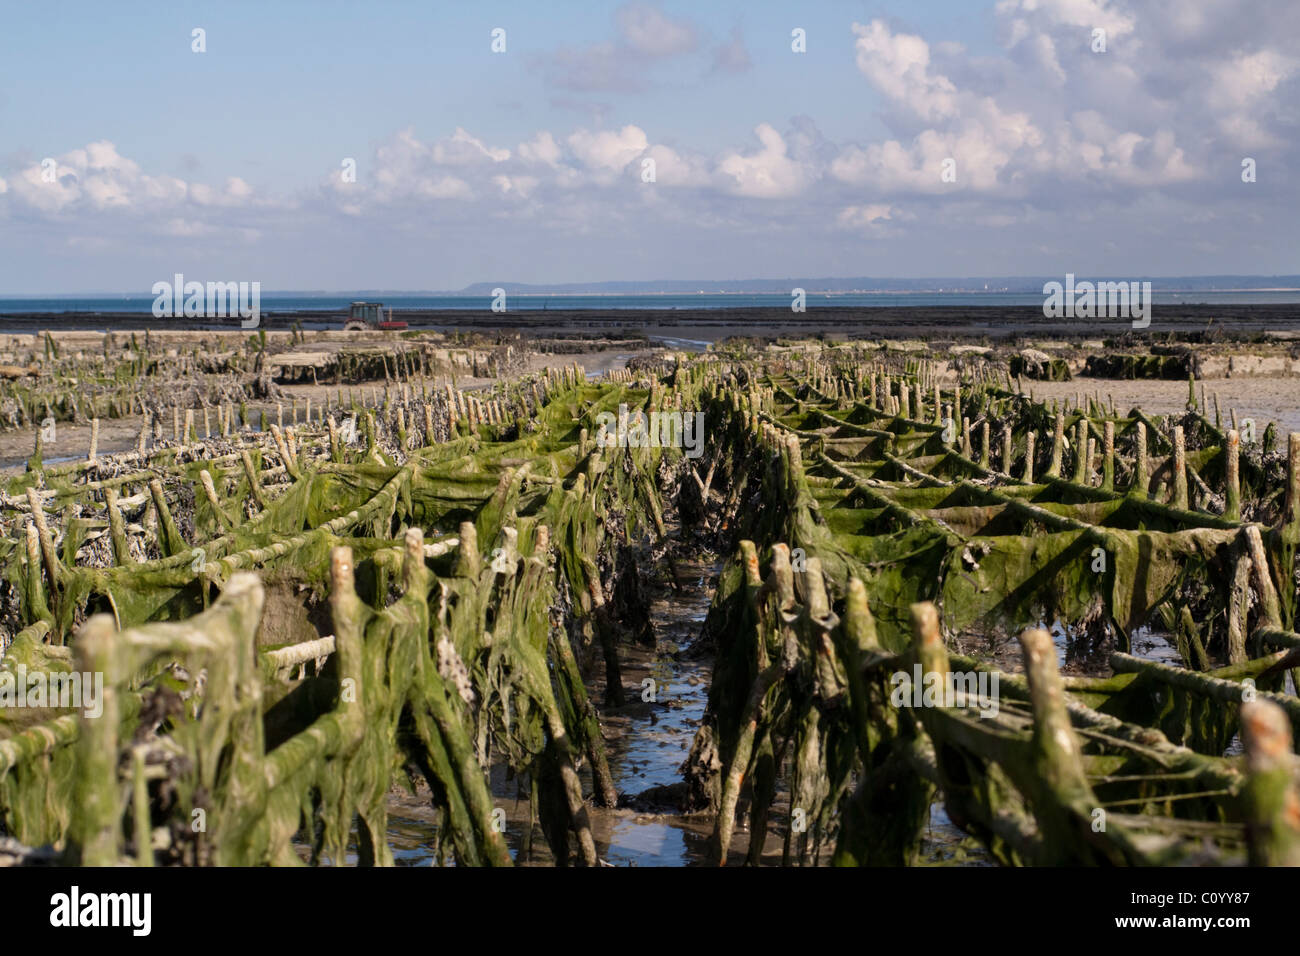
{"x": 281, "y": 303}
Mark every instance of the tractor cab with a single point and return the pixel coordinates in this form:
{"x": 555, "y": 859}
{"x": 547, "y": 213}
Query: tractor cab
{"x": 370, "y": 315}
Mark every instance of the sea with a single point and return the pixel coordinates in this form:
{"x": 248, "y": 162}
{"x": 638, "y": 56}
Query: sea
{"x": 282, "y": 303}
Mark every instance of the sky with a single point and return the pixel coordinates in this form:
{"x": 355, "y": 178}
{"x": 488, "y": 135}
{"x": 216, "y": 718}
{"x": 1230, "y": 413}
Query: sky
{"x": 643, "y": 140}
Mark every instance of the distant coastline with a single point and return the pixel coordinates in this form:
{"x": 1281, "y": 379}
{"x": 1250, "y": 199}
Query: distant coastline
{"x": 291, "y": 303}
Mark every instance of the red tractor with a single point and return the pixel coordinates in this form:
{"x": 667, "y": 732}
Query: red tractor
{"x": 365, "y": 316}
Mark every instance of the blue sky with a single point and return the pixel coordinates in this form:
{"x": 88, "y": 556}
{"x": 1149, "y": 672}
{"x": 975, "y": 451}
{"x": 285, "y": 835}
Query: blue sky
{"x": 529, "y": 165}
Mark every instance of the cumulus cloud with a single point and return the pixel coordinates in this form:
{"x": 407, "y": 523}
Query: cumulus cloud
{"x": 608, "y": 150}
{"x": 768, "y": 173}
{"x": 542, "y": 148}
{"x": 1045, "y": 129}
{"x": 94, "y": 178}
{"x": 899, "y": 66}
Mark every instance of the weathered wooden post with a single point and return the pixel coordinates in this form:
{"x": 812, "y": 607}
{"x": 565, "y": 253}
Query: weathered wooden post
{"x": 254, "y": 479}
{"x": 116, "y": 528}
{"x": 1058, "y": 758}
{"x": 1238, "y": 601}
{"x": 170, "y": 537}
{"x": 1232, "y": 480}
{"x": 1293, "y": 487}
{"x": 1081, "y": 463}
{"x": 1268, "y": 599}
{"x": 210, "y": 492}
{"x": 1058, "y": 446}
{"x": 1180, "y": 469}
{"x": 1141, "y": 472}
{"x": 95, "y": 830}
{"x": 1108, "y": 449}
{"x": 1270, "y": 803}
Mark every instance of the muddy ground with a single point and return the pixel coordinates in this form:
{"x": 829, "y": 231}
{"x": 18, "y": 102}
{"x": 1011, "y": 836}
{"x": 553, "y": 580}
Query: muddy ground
{"x": 1263, "y": 399}
{"x": 72, "y": 440}
{"x": 707, "y": 325}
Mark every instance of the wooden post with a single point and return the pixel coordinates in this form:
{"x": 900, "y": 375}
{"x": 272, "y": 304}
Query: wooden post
{"x": 1006, "y": 449}
{"x": 1293, "y": 483}
{"x": 468, "y": 564}
{"x": 928, "y": 641}
{"x": 1108, "y": 449}
{"x": 1270, "y": 803}
{"x": 1058, "y": 446}
{"x": 1054, "y": 738}
{"x": 48, "y": 554}
{"x": 94, "y": 439}
{"x": 1238, "y": 606}
{"x": 116, "y": 528}
{"x": 171, "y": 540}
{"x": 1030, "y": 440}
{"x": 1141, "y": 475}
{"x": 1270, "y": 606}
{"x": 335, "y": 452}
{"x": 210, "y": 492}
{"x": 290, "y": 465}
{"x": 1180, "y": 469}
{"x": 38, "y": 605}
{"x": 1232, "y": 480}
{"x": 1081, "y": 463}
{"x": 96, "y": 828}
{"x": 254, "y": 479}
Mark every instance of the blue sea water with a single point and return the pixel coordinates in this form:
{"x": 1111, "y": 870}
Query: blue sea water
{"x": 520, "y": 302}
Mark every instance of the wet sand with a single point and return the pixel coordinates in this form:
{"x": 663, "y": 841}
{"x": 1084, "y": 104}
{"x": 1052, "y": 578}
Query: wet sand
{"x": 1263, "y": 399}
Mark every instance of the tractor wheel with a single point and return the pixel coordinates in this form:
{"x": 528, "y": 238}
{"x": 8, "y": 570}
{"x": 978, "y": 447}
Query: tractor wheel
{"x": 355, "y": 327}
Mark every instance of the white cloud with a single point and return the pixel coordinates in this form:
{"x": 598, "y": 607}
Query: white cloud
{"x": 899, "y": 66}
{"x": 649, "y": 31}
{"x": 542, "y": 148}
{"x": 861, "y": 216}
{"x": 608, "y": 150}
{"x": 96, "y": 178}
{"x": 674, "y": 169}
{"x": 766, "y": 174}
{"x": 1085, "y": 15}
{"x": 462, "y": 149}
